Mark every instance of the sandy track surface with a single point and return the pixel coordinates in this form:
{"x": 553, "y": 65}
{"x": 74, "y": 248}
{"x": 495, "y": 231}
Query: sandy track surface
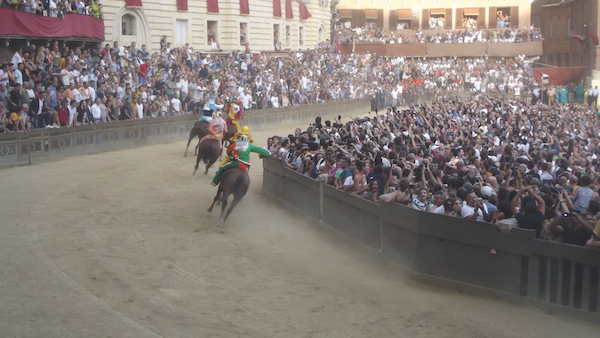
{"x": 120, "y": 245}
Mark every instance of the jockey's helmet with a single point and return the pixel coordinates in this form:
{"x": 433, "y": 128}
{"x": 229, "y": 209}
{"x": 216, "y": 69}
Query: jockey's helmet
{"x": 245, "y": 129}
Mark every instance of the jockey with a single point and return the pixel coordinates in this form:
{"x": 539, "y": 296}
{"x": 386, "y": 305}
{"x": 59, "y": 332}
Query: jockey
{"x": 235, "y": 113}
{"x": 244, "y": 131}
{"x": 236, "y": 137}
{"x": 217, "y": 127}
{"x": 239, "y": 157}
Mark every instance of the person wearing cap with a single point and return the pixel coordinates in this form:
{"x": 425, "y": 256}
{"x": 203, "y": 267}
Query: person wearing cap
{"x": 486, "y": 193}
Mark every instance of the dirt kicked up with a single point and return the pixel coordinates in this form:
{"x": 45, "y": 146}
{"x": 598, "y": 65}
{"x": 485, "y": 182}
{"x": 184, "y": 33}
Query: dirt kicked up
{"x": 120, "y": 244}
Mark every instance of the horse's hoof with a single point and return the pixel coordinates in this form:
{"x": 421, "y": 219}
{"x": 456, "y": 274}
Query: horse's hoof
{"x": 221, "y": 221}
{"x": 209, "y": 210}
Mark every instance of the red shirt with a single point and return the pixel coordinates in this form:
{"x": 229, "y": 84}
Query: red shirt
{"x": 143, "y": 70}
{"x": 63, "y": 115}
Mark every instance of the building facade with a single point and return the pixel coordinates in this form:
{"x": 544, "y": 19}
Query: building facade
{"x": 434, "y": 14}
{"x": 567, "y": 28}
{"x": 148, "y": 23}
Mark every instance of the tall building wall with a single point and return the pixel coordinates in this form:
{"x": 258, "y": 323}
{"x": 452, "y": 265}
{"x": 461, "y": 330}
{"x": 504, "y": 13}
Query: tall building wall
{"x": 452, "y": 9}
{"x": 161, "y": 17}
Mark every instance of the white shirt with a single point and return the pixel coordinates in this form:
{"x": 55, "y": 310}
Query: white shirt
{"x": 176, "y": 104}
{"x": 96, "y": 112}
{"x": 139, "y": 107}
{"x": 16, "y": 59}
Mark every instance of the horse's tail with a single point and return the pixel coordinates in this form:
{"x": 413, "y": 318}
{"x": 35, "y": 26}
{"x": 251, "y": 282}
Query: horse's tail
{"x": 237, "y": 187}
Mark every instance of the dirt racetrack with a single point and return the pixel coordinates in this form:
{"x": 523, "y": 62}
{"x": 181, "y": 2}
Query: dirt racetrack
{"x": 119, "y": 245}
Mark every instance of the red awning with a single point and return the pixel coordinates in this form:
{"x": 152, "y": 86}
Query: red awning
{"x": 277, "y": 8}
{"x": 289, "y": 13}
{"x": 304, "y": 13}
{"x": 560, "y": 76}
{"x": 244, "y": 7}
{"x": 133, "y": 3}
{"x": 31, "y": 25}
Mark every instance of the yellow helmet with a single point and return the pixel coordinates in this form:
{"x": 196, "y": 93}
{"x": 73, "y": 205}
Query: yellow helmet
{"x": 245, "y": 129}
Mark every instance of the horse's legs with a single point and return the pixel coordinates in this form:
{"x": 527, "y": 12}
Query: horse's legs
{"x": 212, "y": 161}
{"x": 223, "y": 207}
{"x": 197, "y": 163}
{"x": 193, "y": 134}
{"x": 197, "y": 146}
{"x": 234, "y": 203}
{"x": 217, "y": 196}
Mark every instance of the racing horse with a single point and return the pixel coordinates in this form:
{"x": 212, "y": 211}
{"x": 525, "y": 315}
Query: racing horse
{"x": 200, "y": 129}
{"x": 234, "y": 181}
{"x": 208, "y": 151}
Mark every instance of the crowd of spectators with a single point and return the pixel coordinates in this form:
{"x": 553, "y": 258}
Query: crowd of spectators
{"x": 507, "y": 162}
{"x": 473, "y": 35}
{"x": 84, "y": 86}
{"x": 56, "y": 8}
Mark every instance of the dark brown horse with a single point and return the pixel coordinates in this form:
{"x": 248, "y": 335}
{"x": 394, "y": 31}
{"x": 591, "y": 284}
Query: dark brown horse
{"x": 234, "y": 181}
{"x": 209, "y": 151}
{"x": 200, "y": 129}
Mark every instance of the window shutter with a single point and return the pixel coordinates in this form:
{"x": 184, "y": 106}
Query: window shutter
{"x": 414, "y": 24}
{"x": 380, "y": 18}
{"x": 425, "y": 20}
{"x": 514, "y": 17}
{"x": 458, "y": 18}
{"x": 492, "y": 23}
{"x": 481, "y": 18}
{"x": 393, "y": 19}
{"x": 448, "y": 19}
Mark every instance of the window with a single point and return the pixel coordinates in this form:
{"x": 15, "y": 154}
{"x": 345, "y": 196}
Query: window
{"x": 567, "y": 59}
{"x": 180, "y": 32}
{"x": 276, "y": 40}
{"x": 549, "y": 32}
{"x": 569, "y": 26}
{"x": 212, "y": 31}
{"x": 557, "y": 30}
{"x": 243, "y": 33}
{"x": 301, "y": 36}
{"x": 127, "y": 24}
{"x": 288, "y": 36}
{"x": 550, "y": 59}
{"x": 503, "y": 17}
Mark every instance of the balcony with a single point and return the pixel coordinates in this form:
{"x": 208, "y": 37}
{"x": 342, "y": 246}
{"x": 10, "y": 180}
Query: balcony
{"x": 19, "y": 24}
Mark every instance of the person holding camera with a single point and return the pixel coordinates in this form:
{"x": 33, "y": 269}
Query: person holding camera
{"x": 530, "y": 216}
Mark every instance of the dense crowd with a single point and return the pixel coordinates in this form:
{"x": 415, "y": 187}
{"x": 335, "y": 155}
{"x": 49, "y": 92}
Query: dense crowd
{"x": 507, "y": 162}
{"x": 473, "y": 35}
{"x": 49, "y": 87}
{"x": 70, "y": 87}
{"x": 56, "y": 8}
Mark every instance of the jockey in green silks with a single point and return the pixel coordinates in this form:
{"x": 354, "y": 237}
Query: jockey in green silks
{"x": 239, "y": 157}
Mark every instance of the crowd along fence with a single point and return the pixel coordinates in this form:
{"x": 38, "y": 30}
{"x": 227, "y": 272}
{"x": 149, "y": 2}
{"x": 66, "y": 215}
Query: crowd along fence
{"x": 46, "y": 144}
{"x": 451, "y": 252}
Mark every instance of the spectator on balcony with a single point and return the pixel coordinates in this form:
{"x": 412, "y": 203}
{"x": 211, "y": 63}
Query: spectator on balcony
{"x": 17, "y": 119}
{"x": 96, "y": 9}
{"x": 14, "y": 99}
{"x": 40, "y": 112}
{"x": 96, "y": 111}
{"x": 3, "y": 95}
{"x": 80, "y": 5}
